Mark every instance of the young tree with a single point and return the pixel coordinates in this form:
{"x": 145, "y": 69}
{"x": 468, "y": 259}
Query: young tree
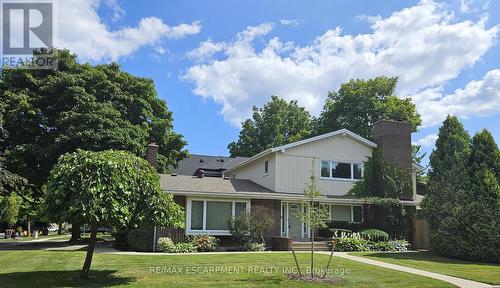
{"x": 312, "y": 213}
{"x": 277, "y": 123}
{"x": 109, "y": 187}
{"x": 447, "y": 182}
{"x": 358, "y": 104}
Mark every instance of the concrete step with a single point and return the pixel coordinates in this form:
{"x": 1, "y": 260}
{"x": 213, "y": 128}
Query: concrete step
{"x": 306, "y": 246}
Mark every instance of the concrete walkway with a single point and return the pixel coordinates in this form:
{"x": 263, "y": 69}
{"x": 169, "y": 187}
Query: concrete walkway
{"x": 450, "y": 279}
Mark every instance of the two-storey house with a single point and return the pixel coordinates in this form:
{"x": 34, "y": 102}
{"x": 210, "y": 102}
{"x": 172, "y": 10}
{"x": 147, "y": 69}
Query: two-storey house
{"x": 274, "y": 180}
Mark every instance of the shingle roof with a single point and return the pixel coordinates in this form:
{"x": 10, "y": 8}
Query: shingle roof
{"x": 184, "y": 183}
{"x": 191, "y": 164}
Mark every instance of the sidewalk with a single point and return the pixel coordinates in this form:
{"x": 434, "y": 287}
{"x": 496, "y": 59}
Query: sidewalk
{"x": 450, "y": 279}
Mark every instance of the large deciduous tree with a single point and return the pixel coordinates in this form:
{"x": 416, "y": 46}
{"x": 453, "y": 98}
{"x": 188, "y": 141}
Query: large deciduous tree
{"x": 48, "y": 113}
{"x": 277, "y": 123}
{"x": 358, "y": 104}
{"x": 109, "y": 187}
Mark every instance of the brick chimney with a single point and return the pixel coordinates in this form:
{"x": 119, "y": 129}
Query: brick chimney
{"x": 152, "y": 153}
{"x": 394, "y": 138}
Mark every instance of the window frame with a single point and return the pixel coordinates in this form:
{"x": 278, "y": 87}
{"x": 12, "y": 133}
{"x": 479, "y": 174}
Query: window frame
{"x": 204, "y": 229}
{"x": 351, "y": 163}
{"x": 266, "y": 168}
{"x": 351, "y": 210}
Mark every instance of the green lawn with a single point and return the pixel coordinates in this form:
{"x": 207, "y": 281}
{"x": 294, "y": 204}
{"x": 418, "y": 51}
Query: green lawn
{"x": 61, "y": 268}
{"x": 482, "y": 272}
{"x": 23, "y": 239}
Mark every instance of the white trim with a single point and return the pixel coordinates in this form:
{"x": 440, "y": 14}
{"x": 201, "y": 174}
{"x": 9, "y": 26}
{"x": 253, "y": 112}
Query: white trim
{"x": 305, "y": 141}
{"x": 204, "y": 230}
{"x": 352, "y": 212}
{"x": 351, "y": 162}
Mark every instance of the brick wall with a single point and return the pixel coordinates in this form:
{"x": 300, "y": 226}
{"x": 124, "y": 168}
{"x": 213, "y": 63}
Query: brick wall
{"x": 177, "y": 235}
{"x": 274, "y": 208}
{"x": 394, "y": 137}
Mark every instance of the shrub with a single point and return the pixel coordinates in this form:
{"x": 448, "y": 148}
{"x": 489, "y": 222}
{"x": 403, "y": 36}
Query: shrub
{"x": 121, "y": 242}
{"x": 256, "y": 247}
{"x": 390, "y": 246}
{"x": 352, "y": 243}
{"x": 374, "y": 235}
{"x": 140, "y": 240}
{"x": 239, "y": 228}
{"x": 205, "y": 243}
{"x": 169, "y": 246}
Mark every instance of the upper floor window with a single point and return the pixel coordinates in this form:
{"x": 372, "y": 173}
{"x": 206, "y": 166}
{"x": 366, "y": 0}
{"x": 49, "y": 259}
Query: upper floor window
{"x": 341, "y": 170}
{"x": 266, "y": 167}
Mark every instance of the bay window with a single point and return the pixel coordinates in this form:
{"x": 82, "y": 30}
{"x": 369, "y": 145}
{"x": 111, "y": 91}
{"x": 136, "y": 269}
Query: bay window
{"x": 211, "y": 216}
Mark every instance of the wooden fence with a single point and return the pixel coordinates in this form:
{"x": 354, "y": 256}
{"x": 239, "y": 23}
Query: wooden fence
{"x": 421, "y": 234}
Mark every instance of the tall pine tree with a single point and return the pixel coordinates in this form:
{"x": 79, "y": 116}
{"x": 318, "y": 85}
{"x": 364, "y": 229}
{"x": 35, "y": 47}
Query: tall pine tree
{"x": 447, "y": 180}
{"x": 478, "y": 207}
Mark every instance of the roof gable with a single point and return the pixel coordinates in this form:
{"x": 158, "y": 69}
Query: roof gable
{"x": 340, "y": 132}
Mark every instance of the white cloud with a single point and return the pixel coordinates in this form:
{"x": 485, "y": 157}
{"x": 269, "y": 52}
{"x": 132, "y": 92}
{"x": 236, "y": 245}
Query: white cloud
{"x": 424, "y": 45}
{"x": 478, "y": 98}
{"x": 116, "y": 9}
{"x": 81, "y": 30}
{"x": 206, "y": 50}
{"x": 427, "y": 141}
{"x": 290, "y": 22}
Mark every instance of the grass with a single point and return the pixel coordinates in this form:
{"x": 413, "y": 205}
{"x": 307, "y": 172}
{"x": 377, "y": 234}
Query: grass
{"x": 482, "y": 272}
{"x": 61, "y": 268}
{"x": 52, "y": 235}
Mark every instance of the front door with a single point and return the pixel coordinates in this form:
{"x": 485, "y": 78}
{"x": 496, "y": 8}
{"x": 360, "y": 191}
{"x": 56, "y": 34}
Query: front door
{"x": 294, "y": 223}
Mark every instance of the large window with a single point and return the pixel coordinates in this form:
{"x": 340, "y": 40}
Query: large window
{"x": 211, "y": 216}
{"x": 346, "y": 213}
{"x": 341, "y": 170}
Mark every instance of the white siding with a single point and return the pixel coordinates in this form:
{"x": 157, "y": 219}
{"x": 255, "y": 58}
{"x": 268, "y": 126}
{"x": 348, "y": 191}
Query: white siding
{"x": 255, "y": 171}
{"x": 293, "y": 166}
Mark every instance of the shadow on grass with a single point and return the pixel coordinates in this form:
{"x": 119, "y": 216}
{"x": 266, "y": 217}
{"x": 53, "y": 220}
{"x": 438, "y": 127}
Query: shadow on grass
{"x": 98, "y": 278}
{"x": 424, "y": 256}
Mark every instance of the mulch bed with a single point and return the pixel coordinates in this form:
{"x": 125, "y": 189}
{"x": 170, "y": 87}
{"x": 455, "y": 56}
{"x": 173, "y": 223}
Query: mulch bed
{"x": 317, "y": 279}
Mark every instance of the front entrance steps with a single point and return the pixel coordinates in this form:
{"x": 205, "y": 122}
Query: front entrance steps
{"x": 306, "y": 246}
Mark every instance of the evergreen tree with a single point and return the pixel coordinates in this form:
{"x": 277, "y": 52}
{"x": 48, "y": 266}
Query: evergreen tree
{"x": 478, "y": 207}
{"x": 447, "y": 182}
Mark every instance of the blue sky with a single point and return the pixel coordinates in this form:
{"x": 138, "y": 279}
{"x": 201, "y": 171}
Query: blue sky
{"x": 212, "y": 60}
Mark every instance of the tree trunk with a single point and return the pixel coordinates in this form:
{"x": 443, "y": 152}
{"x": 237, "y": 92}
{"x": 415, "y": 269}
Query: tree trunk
{"x": 312, "y": 253}
{"x": 59, "y": 229}
{"x": 90, "y": 251}
{"x": 75, "y": 232}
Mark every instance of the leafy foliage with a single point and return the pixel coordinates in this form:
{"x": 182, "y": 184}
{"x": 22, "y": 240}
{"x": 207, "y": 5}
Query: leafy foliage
{"x": 353, "y": 242}
{"x": 205, "y": 243}
{"x": 109, "y": 187}
{"x": 277, "y": 123}
{"x": 140, "y": 240}
{"x": 170, "y": 247}
{"x": 9, "y": 209}
{"x": 382, "y": 179}
{"x": 48, "y": 113}
{"x": 358, "y": 104}
{"x": 374, "y": 235}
